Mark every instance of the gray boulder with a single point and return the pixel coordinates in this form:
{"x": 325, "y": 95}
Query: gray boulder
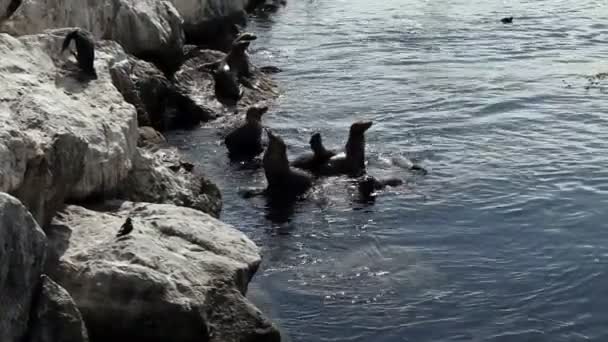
{"x": 180, "y": 275}
{"x": 161, "y": 176}
{"x": 55, "y": 316}
{"x": 22, "y": 257}
{"x": 146, "y": 28}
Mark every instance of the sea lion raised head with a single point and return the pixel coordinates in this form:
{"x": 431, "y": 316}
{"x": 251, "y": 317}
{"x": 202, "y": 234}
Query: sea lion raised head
{"x": 283, "y": 182}
{"x": 245, "y": 142}
{"x": 255, "y": 113}
{"x": 85, "y": 50}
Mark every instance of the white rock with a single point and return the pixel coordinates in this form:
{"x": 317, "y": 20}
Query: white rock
{"x": 180, "y": 275}
{"x": 60, "y": 137}
{"x": 22, "y": 257}
{"x": 142, "y": 27}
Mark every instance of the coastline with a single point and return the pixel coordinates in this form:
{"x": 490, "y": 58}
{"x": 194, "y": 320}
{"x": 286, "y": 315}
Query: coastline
{"x": 79, "y": 157}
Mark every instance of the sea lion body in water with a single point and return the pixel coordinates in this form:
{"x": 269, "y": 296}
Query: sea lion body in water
{"x": 246, "y": 140}
{"x": 508, "y": 20}
{"x": 352, "y": 162}
{"x": 85, "y": 50}
{"x": 283, "y": 181}
{"x": 319, "y": 156}
{"x": 368, "y": 185}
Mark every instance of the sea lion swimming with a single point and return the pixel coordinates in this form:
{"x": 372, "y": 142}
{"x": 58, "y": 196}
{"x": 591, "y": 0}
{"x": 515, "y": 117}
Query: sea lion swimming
{"x": 368, "y": 185}
{"x": 246, "y": 140}
{"x": 283, "y": 181}
{"x": 352, "y": 162}
{"x": 319, "y": 156}
{"x": 85, "y": 50}
{"x": 507, "y": 20}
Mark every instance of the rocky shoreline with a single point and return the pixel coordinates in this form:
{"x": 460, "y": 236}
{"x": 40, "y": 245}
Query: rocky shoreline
{"x": 78, "y": 157}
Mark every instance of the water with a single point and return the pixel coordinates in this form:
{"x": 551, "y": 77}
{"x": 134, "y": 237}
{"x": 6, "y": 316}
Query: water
{"x": 504, "y": 239}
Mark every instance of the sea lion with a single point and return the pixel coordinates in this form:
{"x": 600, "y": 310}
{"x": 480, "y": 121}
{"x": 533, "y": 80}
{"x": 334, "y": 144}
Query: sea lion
{"x": 246, "y": 140}
{"x": 227, "y": 88}
{"x": 85, "y": 48}
{"x": 368, "y": 185}
{"x": 283, "y": 181}
{"x": 319, "y": 156}
{"x": 238, "y": 59}
{"x": 507, "y": 20}
{"x": 126, "y": 228}
{"x": 352, "y": 161}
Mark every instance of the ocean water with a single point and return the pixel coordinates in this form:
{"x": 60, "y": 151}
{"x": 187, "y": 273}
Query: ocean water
{"x": 505, "y": 239}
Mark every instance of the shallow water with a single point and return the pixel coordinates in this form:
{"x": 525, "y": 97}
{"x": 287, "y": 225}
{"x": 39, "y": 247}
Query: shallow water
{"x": 504, "y": 239}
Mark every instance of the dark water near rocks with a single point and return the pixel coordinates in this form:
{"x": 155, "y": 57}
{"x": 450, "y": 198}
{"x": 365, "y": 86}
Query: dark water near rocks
{"x": 505, "y": 239}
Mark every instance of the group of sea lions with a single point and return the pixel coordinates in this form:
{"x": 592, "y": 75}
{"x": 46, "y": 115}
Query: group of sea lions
{"x": 288, "y": 180}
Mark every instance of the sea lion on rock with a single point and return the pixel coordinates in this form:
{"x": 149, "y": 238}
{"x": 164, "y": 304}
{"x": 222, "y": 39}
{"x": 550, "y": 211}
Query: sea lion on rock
{"x": 319, "y": 156}
{"x": 227, "y": 87}
{"x": 246, "y": 140}
{"x": 85, "y": 50}
{"x": 352, "y": 161}
{"x": 283, "y": 181}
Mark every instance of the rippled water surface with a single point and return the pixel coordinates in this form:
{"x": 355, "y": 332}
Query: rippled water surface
{"x": 504, "y": 240}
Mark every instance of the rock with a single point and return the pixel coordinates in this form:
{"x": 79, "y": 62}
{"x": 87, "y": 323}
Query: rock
{"x": 209, "y": 22}
{"x": 8, "y": 7}
{"x": 159, "y": 177}
{"x": 55, "y": 316}
{"x": 161, "y": 103}
{"x": 22, "y": 256}
{"x": 148, "y": 136}
{"x": 180, "y": 275}
{"x": 197, "y": 82}
{"x": 146, "y": 28}
{"x": 70, "y": 138}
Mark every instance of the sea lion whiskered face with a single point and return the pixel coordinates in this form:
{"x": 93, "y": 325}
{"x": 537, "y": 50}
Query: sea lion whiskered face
{"x": 254, "y": 113}
{"x": 360, "y": 127}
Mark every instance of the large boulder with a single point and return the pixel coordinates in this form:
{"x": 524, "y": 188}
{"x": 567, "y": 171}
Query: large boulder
{"x": 209, "y": 22}
{"x": 55, "y": 316}
{"x": 179, "y": 276}
{"x": 161, "y": 176}
{"x": 145, "y": 28}
{"x": 61, "y": 137}
{"x": 22, "y": 257}
{"x": 160, "y": 103}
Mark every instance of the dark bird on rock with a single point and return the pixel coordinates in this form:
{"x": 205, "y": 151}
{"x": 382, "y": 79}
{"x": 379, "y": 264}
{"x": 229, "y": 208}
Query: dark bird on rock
{"x": 126, "y": 228}
{"x": 85, "y": 50}
{"x": 507, "y": 20}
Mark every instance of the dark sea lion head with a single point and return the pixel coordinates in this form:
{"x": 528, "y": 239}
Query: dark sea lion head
{"x": 245, "y": 37}
{"x": 316, "y": 143}
{"x": 240, "y": 45}
{"x": 315, "y": 140}
{"x": 359, "y": 127}
{"x": 254, "y": 113}
{"x": 367, "y": 186}
{"x": 275, "y": 158}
